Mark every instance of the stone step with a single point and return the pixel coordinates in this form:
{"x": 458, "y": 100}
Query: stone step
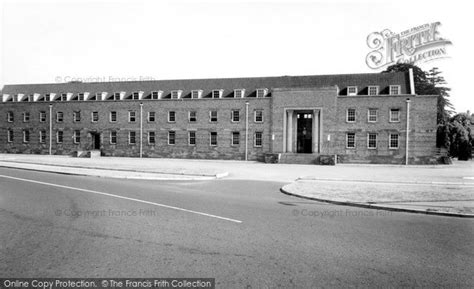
{"x": 291, "y": 158}
{"x": 95, "y": 154}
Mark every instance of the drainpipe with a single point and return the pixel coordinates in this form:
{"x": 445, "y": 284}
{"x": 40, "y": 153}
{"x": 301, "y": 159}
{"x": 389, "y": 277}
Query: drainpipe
{"x": 408, "y": 130}
{"x": 246, "y": 129}
{"x": 141, "y": 129}
{"x": 50, "y": 129}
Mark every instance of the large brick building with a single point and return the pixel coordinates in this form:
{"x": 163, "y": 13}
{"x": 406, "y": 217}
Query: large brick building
{"x": 358, "y": 117}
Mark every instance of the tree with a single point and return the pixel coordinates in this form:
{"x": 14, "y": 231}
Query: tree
{"x": 460, "y": 136}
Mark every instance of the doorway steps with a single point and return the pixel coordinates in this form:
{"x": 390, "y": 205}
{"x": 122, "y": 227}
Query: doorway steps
{"x": 294, "y": 158}
{"x": 95, "y": 154}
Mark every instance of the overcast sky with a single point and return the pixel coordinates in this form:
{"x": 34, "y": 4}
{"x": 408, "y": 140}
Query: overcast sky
{"x": 55, "y": 41}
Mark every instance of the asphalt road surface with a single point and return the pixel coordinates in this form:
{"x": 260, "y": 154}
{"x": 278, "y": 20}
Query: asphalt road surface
{"x": 246, "y": 234}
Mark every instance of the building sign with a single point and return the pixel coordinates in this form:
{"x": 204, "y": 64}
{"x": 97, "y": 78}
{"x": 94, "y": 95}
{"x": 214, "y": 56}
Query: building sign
{"x": 416, "y": 45}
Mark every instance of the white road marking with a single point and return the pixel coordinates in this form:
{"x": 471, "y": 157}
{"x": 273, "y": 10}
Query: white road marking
{"x": 124, "y": 198}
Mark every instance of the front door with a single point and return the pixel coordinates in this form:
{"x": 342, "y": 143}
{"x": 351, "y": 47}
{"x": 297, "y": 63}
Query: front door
{"x": 304, "y": 136}
{"x": 96, "y": 140}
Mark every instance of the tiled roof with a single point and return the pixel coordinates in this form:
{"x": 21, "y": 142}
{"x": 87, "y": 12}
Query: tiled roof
{"x": 251, "y": 84}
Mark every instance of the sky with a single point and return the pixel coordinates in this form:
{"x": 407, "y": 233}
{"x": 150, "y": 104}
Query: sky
{"x": 106, "y": 40}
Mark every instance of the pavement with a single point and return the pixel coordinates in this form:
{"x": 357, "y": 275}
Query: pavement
{"x": 433, "y": 189}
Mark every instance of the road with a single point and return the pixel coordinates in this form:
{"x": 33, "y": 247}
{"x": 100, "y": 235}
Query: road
{"x": 246, "y": 234}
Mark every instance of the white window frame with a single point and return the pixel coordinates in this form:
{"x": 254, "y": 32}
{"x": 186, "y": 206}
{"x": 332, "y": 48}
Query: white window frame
{"x": 150, "y": 113}
{"x": 75, "y": 114}
{"x": 368, "y": 140}
{"x": 169, "y": 116}
{"x": 347, "y": 140}
{"x": 255, "y": 116}
{"x": 92, "y": 116}
{"x": 194, "y": 137}
{"x": 112, "y": 135}
{"x": 355, "y": 92}
{"x": 347, "y": 115}
{"x": 376, "y": 87}
{"x": 218, "y": 91}
{"x": 176, "y": 94}
{"x": 261, "y": 92}
{"x": 211, "y": 112}
{"x": 241, "y": 91}
{"x": 59, "y": 132}
{"x": 210, "y": 138}
{"x": 390, "y": 141}
{"x": 232, "y": 115}
{"x": 150, "y": 137}
{"x": 232, "y": 141}
{"x": 42, "y": 116}
{"x": 171, "y": 132}
{"x": 195, "y": 115}
{"x": 42, "y": 136}
{"x": 369, "y": 115}
{"x": 59, "y": 116}
{"x": 390, "y": 115}
{"x": 130, "y": 137}
{"x": 255, "y": 139}
{"x": 111, "y": 114}
{"x": 10, "y": 135}
{"x": 26, "y": 136}
{"x": 132, "y": 114}
{"x": 398, "y": 87}
{"x": 196, "y": 94}
{"x": 76, "y": 136}
{"x": 10, "y": 116}
{"x": 135, "y": 95}
{"x": 26, "y": 116}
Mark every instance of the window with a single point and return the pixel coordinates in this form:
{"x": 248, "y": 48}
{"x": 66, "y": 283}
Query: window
{"x": 46, "y": 97}
{"x": 10, "y": 116}
{"x": 59, "y": 116}
{"x": 196, "y": 93}
{"x": 10, "y": 135}
{"x": 350, "y": 140}
{"x": 132, "y": 116}
{"x": 155, "y": 95}
{"x": 394, "y": 89}
{"x": 192, "y": 138}
{"x": 116, "y": 96}
{"x": 171, "y": 137}
{"x": 213, "y": 139}
{"x": 352, "y": 90}
{"x": 258, "y": 137}
{"x": 76, "y": 116}
{"x": 26, "y": 117}
{"x": 235, "y": 116}
{"x": 151, "y": 137}
{"x": 238, "y": 93}
{"x": 258, "y": 115}
{"x": 372, "y": 140}
{"x": 77, "y": 136}
{"x": 59, "y": 136}
{"x": 98, "y": 96}
{"x": 113, "y": 116}
{"x": 80, "y": 96}
{"x": 373, "y": 90}
{"x": 192, "y": 116}
{"x": 171, "y": 116}
{"x": 213, "y": 115}
{"x": 95, "y": 116}
{"x": 175, "y": 94}
{"x": 351, "y": 115}
{"x": 395, "y": 115}
{"x": 151, "y": 116}
{"x": 393, "y": 141}
{"x": 216, "y": 94}
{"x": 63, "y": 97}
{"x": 372, "y": 115}
{"x": 42, "y": 136}
{"x": 132, "y": 137}
{"x": 235, "y": 138}
{"x": 42, "y": 116}
{"x": 26, "y": 136}
{"x": 113, "y": 137}
{"x": 135, "y": 95}
{"x": 261, "y": 92}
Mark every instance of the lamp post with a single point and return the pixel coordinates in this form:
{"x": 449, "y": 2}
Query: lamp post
{"x": 141, "y": 129}
{"x": 408, "y": 131}
{"x": 50, "y": 129}
{"x": 246, "y": 129}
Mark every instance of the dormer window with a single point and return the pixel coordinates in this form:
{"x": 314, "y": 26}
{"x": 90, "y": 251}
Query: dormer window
{"x": 352, "y": 90}
{"x": 47, "y": 97}
{"x": 176, "y": 94}
{"x": 262, "y": 92}
{"x": 156, "y": 94}
{"x": 196, "y": 94}
{"x": 135, "y": 95}
{"x": 63, "y": 97}
{"x": 373, "y": 90}
{"x": 217, "y": 93}
{"x": 239, "y": 93}
{"x": 80, "y": 96}
{"x": 394, "y": 89}
{"x": 115, "y": 96}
